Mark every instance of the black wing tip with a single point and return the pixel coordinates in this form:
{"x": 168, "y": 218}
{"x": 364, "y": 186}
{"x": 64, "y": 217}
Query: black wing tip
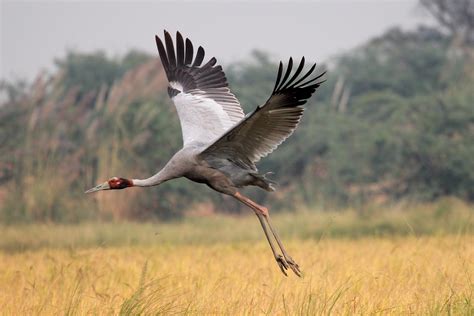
{"x": 165, "y": 33}
{"x": 157, "y": 39}
{"x": 322, "y": 74}
{"x": 180, "y": 49}
{"x": 312, "y": 81}
{"x": 179, "y": 37}
{"x": 287, "y": 74}
{"x": 189, "y": 52}
{"x": 199, "y": 57}
{"x": 277, "y": 82}
{"x": 296, "y": 81}
{"x": 177, "y": 55}
{"x": 168, "y": 43}
{"x": 163, "y": 55}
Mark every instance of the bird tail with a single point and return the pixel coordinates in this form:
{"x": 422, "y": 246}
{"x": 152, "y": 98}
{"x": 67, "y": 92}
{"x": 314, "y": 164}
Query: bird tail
{"x": 262, "y": 181}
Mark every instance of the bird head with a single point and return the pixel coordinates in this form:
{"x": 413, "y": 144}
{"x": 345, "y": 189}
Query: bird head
{"x": 114, "y": 183}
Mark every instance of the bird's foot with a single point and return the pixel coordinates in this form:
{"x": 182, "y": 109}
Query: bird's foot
{"x": 293, "y": 265}
{"x": 282, "y": 263}
{"x": 285, "y": 262}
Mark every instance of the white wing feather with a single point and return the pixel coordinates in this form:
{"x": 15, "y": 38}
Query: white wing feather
{"x": 202, "y": 119}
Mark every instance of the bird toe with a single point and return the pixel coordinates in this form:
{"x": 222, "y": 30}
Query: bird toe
{"x": 282, "y": 264}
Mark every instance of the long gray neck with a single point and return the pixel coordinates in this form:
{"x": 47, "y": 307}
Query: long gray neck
{"x": 156, "y": 179}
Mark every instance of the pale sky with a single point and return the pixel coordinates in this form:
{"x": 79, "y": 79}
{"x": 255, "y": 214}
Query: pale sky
{"x": 33, "y": 33}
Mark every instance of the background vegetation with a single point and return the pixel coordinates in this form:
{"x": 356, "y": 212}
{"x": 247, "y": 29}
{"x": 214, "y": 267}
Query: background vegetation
{"x": 394, "y": 121}
{"x": 376, "y": 189}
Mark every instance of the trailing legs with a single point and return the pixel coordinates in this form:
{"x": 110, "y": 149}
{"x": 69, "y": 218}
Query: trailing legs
{"x": 285, "y": 261}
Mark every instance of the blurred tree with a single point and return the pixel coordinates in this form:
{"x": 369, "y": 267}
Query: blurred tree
{"x": 394, "y": 120}
{"x": 454, "y": 16}
{"x": 133, "y": 59}
{"x": 11, "y": 92}
{"x": 87, "y": 72}
{"x": 406, "y": 63}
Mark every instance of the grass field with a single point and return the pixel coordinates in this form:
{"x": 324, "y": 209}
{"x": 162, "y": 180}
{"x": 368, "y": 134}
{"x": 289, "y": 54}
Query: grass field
{"x": 222, "y": 265}
{"x": 401, "y": 275}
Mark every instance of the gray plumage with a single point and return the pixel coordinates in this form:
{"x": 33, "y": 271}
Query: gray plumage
{"x": 221, "y": 146}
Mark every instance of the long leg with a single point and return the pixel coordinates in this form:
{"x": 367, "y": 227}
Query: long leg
{"x": 293, "y": 265}
{"x": 263, "y": 216}
{"x": 254, "y": 206}
{"x": 279, "y": 258}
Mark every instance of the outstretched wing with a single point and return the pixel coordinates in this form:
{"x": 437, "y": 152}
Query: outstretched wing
{"x": 270, "y": 124}
{"x": 205, "y": 105}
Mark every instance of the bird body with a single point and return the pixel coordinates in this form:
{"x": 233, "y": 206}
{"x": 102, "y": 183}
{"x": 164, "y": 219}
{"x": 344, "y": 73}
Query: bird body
{"x": 221, "y": 146}
{"x": 220, "y": 174}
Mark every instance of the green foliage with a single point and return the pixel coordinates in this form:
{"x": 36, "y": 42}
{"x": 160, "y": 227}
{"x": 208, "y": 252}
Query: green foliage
{"x": 393, "y": 121}
{"x": 406, "y": 63}
{"x": 439, "y": 151}
{"x": 133, "y": 59}
{"x": 89, "y": 72}
{"x": 444, "y": 217}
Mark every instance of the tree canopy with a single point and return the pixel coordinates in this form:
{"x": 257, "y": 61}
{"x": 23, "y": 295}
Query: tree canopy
{"x": 394, "y": 120}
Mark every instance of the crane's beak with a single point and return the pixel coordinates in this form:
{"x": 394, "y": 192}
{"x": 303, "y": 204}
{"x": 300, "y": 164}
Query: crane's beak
{"x": 103, "y": 186}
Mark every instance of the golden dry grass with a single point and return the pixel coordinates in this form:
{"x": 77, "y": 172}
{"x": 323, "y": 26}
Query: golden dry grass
{"x": 396, "y": 275}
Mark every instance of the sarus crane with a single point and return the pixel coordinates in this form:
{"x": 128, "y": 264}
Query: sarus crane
{"x": 220, "y": 145}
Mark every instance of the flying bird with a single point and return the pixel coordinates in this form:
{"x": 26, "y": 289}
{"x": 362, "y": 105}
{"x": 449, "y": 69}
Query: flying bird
{"x": 221, "y": 145}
